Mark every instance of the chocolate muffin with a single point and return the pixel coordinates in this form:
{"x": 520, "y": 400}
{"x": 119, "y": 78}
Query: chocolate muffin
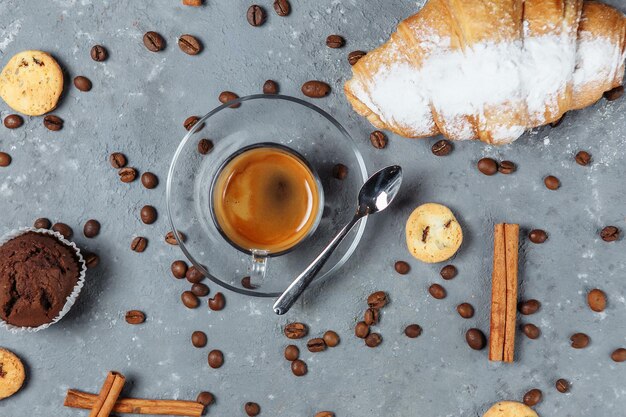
{"x": 37, "y": 274}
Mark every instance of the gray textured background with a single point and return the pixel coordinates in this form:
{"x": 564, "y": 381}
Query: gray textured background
{"x": 137, "y": 106}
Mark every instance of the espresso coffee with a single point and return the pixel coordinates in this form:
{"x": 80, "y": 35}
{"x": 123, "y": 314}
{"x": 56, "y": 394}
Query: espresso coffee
{"x": 266, "y": 198}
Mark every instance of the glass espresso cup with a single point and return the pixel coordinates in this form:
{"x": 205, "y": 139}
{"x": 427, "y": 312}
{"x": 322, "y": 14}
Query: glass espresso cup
{"x": 265, "y": 200}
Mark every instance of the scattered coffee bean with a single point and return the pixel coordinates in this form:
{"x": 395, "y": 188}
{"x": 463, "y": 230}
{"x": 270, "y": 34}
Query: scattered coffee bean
{"x": 149, "y": 180}
{"x": 475, "y": 339}
{"x": 371, "y": 316}
{"x": 361, "y": 330}
{"x": 335, "y": 41}
{"x": 292, "y": 352}
{"x": 378, "y": 139}
{"x": 189, "y": 45}
{"x": 316, "y": 345}
{"x": 91, "y": 228}
{"x": 199, "y": 289}
{"x": 217, "y": 302}
{"x": 448, "y": 272}
{"x": 153, "y": 41}
{"x": 597, "y": 300}
{"x": 5, "y": 159}
{"x": 487, "y": 166}
{"x": 193, "y": 3}
{"x": 190, "y": 122}
{"x": 614, "y": 93}
{"x": 216, "y": 359}
{"x": 282, "y": 7}
{"x": 198, "y": 339}
{"x": 583, "y": 158}
{"x": 117, "y": 160}
{"x": 465, "y": 310}
{"x": 179, "y": 269}
{"x": 256, "y": 15}
{"x": 42, "y": 223}
{"x": 270, "y": 87}
{"x": 441, "y": 148}
{"x": 91, "y": 259}
{"x": 402, "y": 267}
{"x": 537, "y": 236}
{"x": 13, "y": 121}
{"x": 171, "y": 239}
{"x": 52, "y": 122}
{"x": 82, "y": 83}
{"x": 296, "y": 330}
{"x": 139, "y": 244}
{"x": 325, "y": 414}
{"x": 610, "y": 234}
{"x": 189, "y": 299}
{"x": 204, "y": 146}
{"x": 529, "y": 307}
{"x": 562, "y": 385}
{"x": 127, "y": 174}
{"x": 148, "y": 214}
{"x": 298, "y": 367}
{"x": 373, "y": 340}
{"x": 63, "y": 229}
{"x": 532, "y": 397}
{"x": 331, "y": 338}
{"x": 340, "y": 171}
{"x": 531, "y": 331}
{"x": 135, "y": 317}
{"x": 619, "y": 355}
{"x": 205, "y": 398}
{"x": 315, "y": 89}
{"x": 194, "y": 275}
{"x": 252, "y": 409}
{"x": 579, "y": 340}
{"x": 507, "y": 167}
{"x": 226, "y": 96}
{"x": 247, "y": 283}
{"x": 377, "y": 299}
{"x": 412, "y": 331}
{"x": 355, "y": 56}
{"x": 552, "y": 182}
{"x": 437, "y": 291}
{"x": 99, "y": 53}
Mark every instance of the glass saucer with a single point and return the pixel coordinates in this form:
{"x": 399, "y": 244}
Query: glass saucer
{"x": 288, "y": 121}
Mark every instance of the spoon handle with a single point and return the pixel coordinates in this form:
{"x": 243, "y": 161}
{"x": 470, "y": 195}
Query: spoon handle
{"x": 297, "y": 287}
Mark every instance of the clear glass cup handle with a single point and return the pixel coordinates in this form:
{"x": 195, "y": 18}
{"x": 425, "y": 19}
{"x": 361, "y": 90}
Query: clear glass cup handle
{"x": 258, "y": 267}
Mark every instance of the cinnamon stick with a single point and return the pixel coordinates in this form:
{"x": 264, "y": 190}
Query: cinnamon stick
{"x": 511, "y": 233}
{"x": 110, "y": 391}
{"x": 78, "y": 399}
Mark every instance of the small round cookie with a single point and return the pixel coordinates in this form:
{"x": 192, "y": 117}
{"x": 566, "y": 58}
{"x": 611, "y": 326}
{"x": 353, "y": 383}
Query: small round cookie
{"x": 510, "y": 409}
{"x": 432, "y": 233}
{"x": 31, "y": 83}
{"x": 11, "y": 373}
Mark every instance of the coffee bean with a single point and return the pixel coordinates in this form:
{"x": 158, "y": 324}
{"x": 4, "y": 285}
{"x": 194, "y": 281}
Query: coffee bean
{"x": 355, "y": 56}
{"x": 378, "y": 139}
{"x": 63, "y": 229}
{"x": 13, "y": 121}
{"x": 171, "y": 239}
{"x": 340, "y": 171}
{"x": 377, "y": 299}
{"x": 325, "y": 414}
{"x": 149, "y": 180}
{"x": 282, "y": 7}
{"x": 331, "y": 338}
{"x": 562, "y": 385}
{"x": 91, "y": 259}
{"x": 315, "y": 89}
{"x": 335, "y": 41}
{"x": 531, "y": 331}
{"x": 507, "y": 167}
{"x": 52, "y": 122}
{"x": 82, "y": 83}
{"x": 270, "y": 87}
{"x": 42, "y": 223}
{"x": 216, "y": 359}
{"x": 597, "y": 300}
{"x": 135, "y": 317}
{"x": 179, "y": 269}
{"x": 153, "y": 41}
{"x": 537, "y": 236}
{"x": 298, "y": 367}
{"x": 127, "y": 174}
{"x": 373, "y": 340}
{"x": 217, "y": 302}
{"x": 371, "y": 316}
{"x": 99, "y": 53}
{"x": 252, "y": 409}
{"x": 194, "y": 275}
{"x": 610, "y": 234}
{"x": 189, "y": 45}
{"x": 247, "y": 283}
{"x": 583, "y": 158}
{"x": 204, "y": 146}
{"x": 198, "y": 339}
{"x": 91, "y": 228}
{"x": 579, "y": 340}
{"x": 441, "y": 148}
{"x": 316, "y": 345}
{"x": 437, "y": 291}
{"x": 529, "y": 307}
{"x": 139, "y": 244}
{"x": 614, "y": 93}
{"x": 412, "y": 331}
{"x": 361, "y": 330}
{"x": 552, "y": 183}
{"x": 532, "y": 397}
{"x": 619, "y": 355}
{"x": 475, "y": 339}
{"x": 296, "y": 330}
{"x": 448, "y": 272}
{"x": 117, "y": 160}
{"x": 205, "y": 398}
{"x": 189, "y": 299}
{"x": 193, "y": 3}
{"x": 292, "y": 352}
{"x": 148, "y": 214}
{"x": 465, "y": 310}
{"x": 558, "y": 121}
{"x": 487, "y": 166}
{"x": 190, "y": 122}
{"x": 5, "y": 159}
{"x": 256, "y": 15}
{"x": 402, "y": 267}
{"x": 199, "y": 289}
{"x": 226, "y": 96}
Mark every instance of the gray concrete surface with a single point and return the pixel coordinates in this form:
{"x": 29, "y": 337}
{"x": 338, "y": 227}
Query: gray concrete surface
{"x": 137, "y": 106}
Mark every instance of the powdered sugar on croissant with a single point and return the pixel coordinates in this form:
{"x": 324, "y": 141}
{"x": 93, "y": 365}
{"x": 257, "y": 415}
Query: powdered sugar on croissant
{"x": 490, "y": 69}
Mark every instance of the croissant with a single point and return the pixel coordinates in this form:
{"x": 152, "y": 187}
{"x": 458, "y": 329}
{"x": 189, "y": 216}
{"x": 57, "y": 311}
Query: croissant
{"x": 489, "y": 69}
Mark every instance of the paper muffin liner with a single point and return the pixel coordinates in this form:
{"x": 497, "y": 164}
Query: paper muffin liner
{"x": 71, "y": 299}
